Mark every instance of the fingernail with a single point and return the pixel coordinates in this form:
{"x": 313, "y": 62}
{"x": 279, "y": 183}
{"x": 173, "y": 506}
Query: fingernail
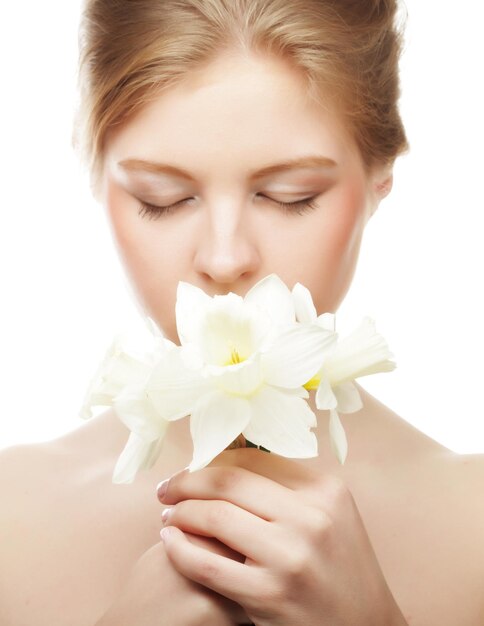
{"x": 164, "y": 533}
{"x": 161, "y": 488}
{"x": 165, "y": 515}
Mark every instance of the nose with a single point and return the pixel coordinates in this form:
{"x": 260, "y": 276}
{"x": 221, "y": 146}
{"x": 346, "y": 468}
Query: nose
{"x": 226, "y": 250}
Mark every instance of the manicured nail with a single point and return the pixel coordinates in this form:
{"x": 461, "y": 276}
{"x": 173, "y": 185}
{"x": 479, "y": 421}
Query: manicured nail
{"x": 165, "y": 515}
{"x": 164, "y": 533}
{"x": 161, "y": 488}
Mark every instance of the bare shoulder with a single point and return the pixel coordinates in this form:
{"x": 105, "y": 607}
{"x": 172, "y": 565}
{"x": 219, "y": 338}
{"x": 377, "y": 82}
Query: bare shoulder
{"x": 22, "y": 468}
{"x": 29, "y": 476}
{"x": 462, "y": 481}
{"x": 26, "y": 480}
{"x": 471, "y": 464}
{"x": 36, "y": 473}
{"x": 458, "y": 480}
{"x": 465, "y": 474}
{"x": 56, "y": 532}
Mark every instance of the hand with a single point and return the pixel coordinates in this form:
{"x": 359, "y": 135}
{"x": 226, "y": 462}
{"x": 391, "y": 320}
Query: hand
{"x": 155, "y": 594}
{"x": 308, "y": 558}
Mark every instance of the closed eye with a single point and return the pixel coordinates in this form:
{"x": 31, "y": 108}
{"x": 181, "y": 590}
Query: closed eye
{"x": 300, "y": 206}
{"x": 153, "y": 211}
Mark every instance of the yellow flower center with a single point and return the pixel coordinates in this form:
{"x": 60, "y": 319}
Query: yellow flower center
{"x": 313, "y": 383}
{"x": 235, "y": 357}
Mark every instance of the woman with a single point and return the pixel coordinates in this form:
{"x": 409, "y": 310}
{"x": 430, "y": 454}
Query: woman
{"x": 227, "y": 91}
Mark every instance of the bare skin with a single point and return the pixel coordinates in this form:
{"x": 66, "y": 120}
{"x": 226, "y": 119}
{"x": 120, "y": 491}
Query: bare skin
{"x": 70, "y": 536}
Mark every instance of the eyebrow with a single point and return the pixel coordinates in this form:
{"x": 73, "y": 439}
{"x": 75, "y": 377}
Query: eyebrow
{"x": 311, "y": 161}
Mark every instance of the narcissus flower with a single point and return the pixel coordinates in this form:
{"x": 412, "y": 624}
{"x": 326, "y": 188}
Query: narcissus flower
{"x": 120, "y": 382}
{"x": 244, "y": 367}
{"x": 361, "y": 353}
{"x": 241, "y": 369}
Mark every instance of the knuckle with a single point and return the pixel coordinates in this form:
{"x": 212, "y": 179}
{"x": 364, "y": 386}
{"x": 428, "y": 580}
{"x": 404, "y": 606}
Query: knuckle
{"x": 337, "y": 485}
{"x": 297, "y": 563}
{"x": 319, "y": 523}
{"x": 336, "y": 493}
{"x": 225, "y": 479}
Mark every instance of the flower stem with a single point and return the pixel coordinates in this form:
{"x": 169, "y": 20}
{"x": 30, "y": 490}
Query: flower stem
{"x": 249, "y": 444}
{"x": 242, "y": 442}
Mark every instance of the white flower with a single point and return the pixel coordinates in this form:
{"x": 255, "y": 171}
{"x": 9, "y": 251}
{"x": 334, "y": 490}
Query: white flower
{"x": 361, "y": 353}
{"x": 117, "y": 369}
{"x": 241, "y": 369}
{"x": 306, "y": 311}
{"x": 245, "y": 365}
{"x": 119, "y": 382}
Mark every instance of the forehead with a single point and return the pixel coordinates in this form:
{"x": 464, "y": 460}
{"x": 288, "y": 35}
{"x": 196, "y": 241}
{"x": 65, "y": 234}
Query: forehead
{"x": 236, "y": 109}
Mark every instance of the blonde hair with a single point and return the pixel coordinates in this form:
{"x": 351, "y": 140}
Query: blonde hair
{"x": 130, "y": 51}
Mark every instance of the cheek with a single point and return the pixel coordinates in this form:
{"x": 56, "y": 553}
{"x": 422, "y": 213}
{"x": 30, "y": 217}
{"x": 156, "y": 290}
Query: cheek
{"x": 149, "y": 251}
{"x": 130, "y": 233}
{"x": 326, "y": 254}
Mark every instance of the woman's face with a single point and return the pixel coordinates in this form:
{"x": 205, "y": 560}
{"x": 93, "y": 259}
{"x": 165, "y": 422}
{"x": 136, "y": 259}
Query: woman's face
{"x": 222, "y": 136}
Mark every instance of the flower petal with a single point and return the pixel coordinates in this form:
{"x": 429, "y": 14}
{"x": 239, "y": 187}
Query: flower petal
{"x": 216, "y": 420}
{"x": 137, "y": 413}
{"x": 191, "y": 357}
{"x": 137, "y": 454}
{"x": 337, "y": 437}
{"x": 348, "y": 397}
{"x": 361, "y": 353}
{"x": 231, "y": 328}
{"x": 153, "y": 327}
{"x": 174, "y": 388}
{"x": 325, "y": 398}
{"x": 241, "y": 379}
{"x": 303, "y": 304}
{"x": 281, "y": 423}
{"x": 296, "y": 355}
{"x": 191, "y": 302}
{"x": 327, "y": 321}
{"x": 117, "y": 369}
{"x": 300, "y": 392}
{"x": 273, "y": 296}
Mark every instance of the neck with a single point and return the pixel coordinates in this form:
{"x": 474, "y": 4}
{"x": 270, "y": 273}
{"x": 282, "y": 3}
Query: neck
{"x": 375, "y": 434}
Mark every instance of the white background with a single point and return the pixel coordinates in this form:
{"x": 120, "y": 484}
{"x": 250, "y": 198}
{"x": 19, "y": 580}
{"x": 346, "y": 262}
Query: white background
{"x": 420, "y": 271}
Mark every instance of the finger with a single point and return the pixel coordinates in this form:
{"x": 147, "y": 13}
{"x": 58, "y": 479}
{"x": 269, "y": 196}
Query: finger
{"x": 235, "y": 527}
{"x": 288, "y": 472}
{"x": 250, "y": 491}
{"x": 291, "y": 473}
{"x": 213, "y": 545}
{"x": 236, "y": 581}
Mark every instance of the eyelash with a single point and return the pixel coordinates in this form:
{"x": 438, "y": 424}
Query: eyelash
{"x": 300, "y": 207}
